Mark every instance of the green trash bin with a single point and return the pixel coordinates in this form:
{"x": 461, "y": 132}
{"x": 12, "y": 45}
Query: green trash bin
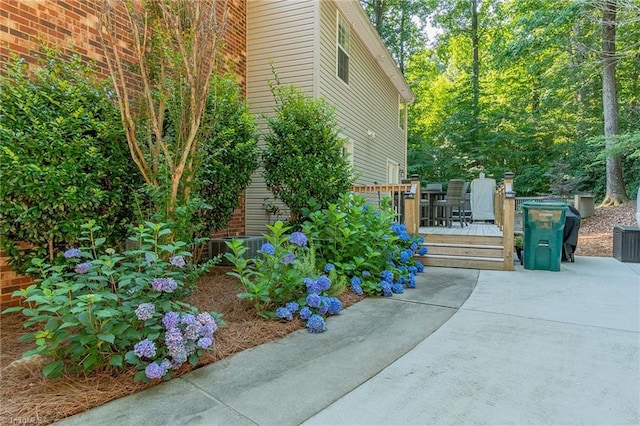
{"x": 543, "y": 229}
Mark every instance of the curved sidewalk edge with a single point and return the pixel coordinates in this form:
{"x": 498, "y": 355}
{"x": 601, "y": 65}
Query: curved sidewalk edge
{"x": 287, "y": 381}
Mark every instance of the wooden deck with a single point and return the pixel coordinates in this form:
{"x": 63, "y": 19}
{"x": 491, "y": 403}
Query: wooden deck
{"x": 477, "y": 246}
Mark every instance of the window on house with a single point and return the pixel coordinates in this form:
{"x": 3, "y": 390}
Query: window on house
{"x": 402, "y": 113}
{"x": 343, "y": 49}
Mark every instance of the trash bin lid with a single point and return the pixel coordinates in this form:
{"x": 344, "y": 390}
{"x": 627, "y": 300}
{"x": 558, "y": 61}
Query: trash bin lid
{"x": 544, "y": 205}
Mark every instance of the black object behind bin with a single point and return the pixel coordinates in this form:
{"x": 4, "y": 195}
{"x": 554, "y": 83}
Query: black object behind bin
{"x": 570, "y": 233}
{"x": 626, "y": 244}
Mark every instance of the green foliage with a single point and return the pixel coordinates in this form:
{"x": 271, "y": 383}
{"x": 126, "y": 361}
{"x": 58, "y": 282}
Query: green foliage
{"x": 64, "y": 157}
{"x": 276, "y": 276}
{"x": 228, "y": 155}
{"x": 100, "y": 304}
{"x": 361, "y": 241}
{"x": 303, "y": 160}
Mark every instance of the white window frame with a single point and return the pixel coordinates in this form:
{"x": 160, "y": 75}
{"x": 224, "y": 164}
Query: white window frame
{"x": 342, "y": 23}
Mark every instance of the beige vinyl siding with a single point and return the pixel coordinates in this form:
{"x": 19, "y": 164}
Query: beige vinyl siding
{"x": 279, "y": 32}
{"x": 369, "y": 103}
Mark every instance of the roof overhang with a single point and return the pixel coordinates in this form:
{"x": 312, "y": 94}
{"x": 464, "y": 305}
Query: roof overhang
{"x": 355, "y": 14}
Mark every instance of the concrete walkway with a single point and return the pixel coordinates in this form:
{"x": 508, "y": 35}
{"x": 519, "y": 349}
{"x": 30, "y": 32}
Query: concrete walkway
{"x": 465, "y": 347}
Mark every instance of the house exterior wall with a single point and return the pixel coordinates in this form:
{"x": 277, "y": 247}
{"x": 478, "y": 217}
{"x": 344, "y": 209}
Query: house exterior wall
{"x": 281, "y": 33}
{"x": 71, "y": 25}
{"x": 299, "y": 38}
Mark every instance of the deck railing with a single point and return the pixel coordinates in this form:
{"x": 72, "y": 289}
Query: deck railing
{"x": 405, "y": 198}
{"x": 505, "y": 210}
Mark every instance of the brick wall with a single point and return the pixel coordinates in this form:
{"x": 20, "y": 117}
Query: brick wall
{"x": 71, "y": 25}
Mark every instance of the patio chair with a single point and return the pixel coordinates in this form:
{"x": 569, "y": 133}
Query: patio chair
{"x": 426, "y": 203}
{"x": 454, "y": 200}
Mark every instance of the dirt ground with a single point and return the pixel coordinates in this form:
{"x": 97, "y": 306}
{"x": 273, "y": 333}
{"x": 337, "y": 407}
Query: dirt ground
{"x": 28, "y": 398}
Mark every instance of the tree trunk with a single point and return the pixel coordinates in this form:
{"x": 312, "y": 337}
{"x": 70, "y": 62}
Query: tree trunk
{"x": 475, "y": 40}
{"x": 616, "y": 192}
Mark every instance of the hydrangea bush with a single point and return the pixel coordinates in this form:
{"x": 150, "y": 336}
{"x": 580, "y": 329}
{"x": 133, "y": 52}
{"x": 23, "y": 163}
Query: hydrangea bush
{"x": 276, "y": 276}
{"x": 103, "y": 309}
{"x": 366, "y": 245}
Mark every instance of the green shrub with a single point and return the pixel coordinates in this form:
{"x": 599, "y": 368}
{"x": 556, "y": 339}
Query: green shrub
{"x": 102, "y": 308}
{"x": 64, "y": 158}
{"x": 303, "y": 161}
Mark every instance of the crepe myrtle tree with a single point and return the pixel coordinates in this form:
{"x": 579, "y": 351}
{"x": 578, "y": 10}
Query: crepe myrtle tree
{"x": 304, "y": 166}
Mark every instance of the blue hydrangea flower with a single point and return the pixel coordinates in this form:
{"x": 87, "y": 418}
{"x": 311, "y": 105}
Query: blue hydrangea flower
{"x": 284, "y": 313}
{"x": 404, "y": 236}
{"x": 413, "y": 270}
{"x": 145, "y": 349}
{"x": 397, "y": 288}
{"x": 187, "y": 318}
{"x": 298, "y": 238}
{"x": 386, "y": 288}
{"x": 155, "y": 371}
{"x": 357, "y": 289}
{"x": 323, "y": 282}
{"x": 414, "y": 246}
{"x": 145, "y": 311}
{"x": 168, "y": 285}
{"x": 366, "y": 274}
{"x": 313, "y": 300}
{"x": 83, "y": 268}
{"x": 316, "y": 324}
{"x": 355, "y": 280}
{"x": 335, "y": 305}
{"x": 268, "y": 248}
{"x": 423, "y": 250}
{"x": 412, "y": 282}
{"x": 177, "y": 261}
{"x": 329, "y": 267}
{"x": 404, "y": 256}
{"x": 305, "y": 313}
{"x": 387, "y": 276}
{"x": 419, "y": 266}
{"x": 204, "y": 342}
{"x": 292, "y": 307}
{"x": 170, "y": 320}
{"x": 312, "y": 286}
{"x": 288, "y": 259}
{"x": 323, "y": 307}
{"x": 149, "y": 258}
{"x": 72, "y": 252}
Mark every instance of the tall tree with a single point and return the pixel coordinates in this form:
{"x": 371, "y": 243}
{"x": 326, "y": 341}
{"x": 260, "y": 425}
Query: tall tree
{"x": 175, "y": 52}
{"x": 616, "y": 192}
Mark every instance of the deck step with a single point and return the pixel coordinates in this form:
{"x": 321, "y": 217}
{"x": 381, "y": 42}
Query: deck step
{"x": 484, "y": 251}
{"x": 469, "y": 262}
{"x": 462, "y": 239}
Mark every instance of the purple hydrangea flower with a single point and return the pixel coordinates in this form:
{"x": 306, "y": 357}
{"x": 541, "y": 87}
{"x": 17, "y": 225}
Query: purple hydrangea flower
{"x": 72, "y": 252}
{"x": 145, "y": 349}
{"x": 329, "y": 267}
{"x": 316, "y": 324}
{"x": 323, "y": 282}
{"x": 305, "y": 313}
{"x": 168, "y": 285}
{"x": 397, "y": 288}
{"x": 187, "y": 318}
{"x": 288, "y": 259}
{"x": 335, "y": 305}
{"x": 284, "y": 313}
{"x": 177, "y": 261}
{"x": 204, "y": 342}
{"x": 298, "y": 238}
{"x": 268, "y": 248}
{"x": 208, "y": 322}
{"x": 149, "y": 258}
{"x": 193, "y": 332}
{"x": 145, "y": 311}
{"x": 170, "y": 320}
{"x": 292, "y": 307}
{"x": 313, "y": 300}
{"x": 386, "y": 288}
{"x": 155, "y": 371}
{"x": 83, "y": 268}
